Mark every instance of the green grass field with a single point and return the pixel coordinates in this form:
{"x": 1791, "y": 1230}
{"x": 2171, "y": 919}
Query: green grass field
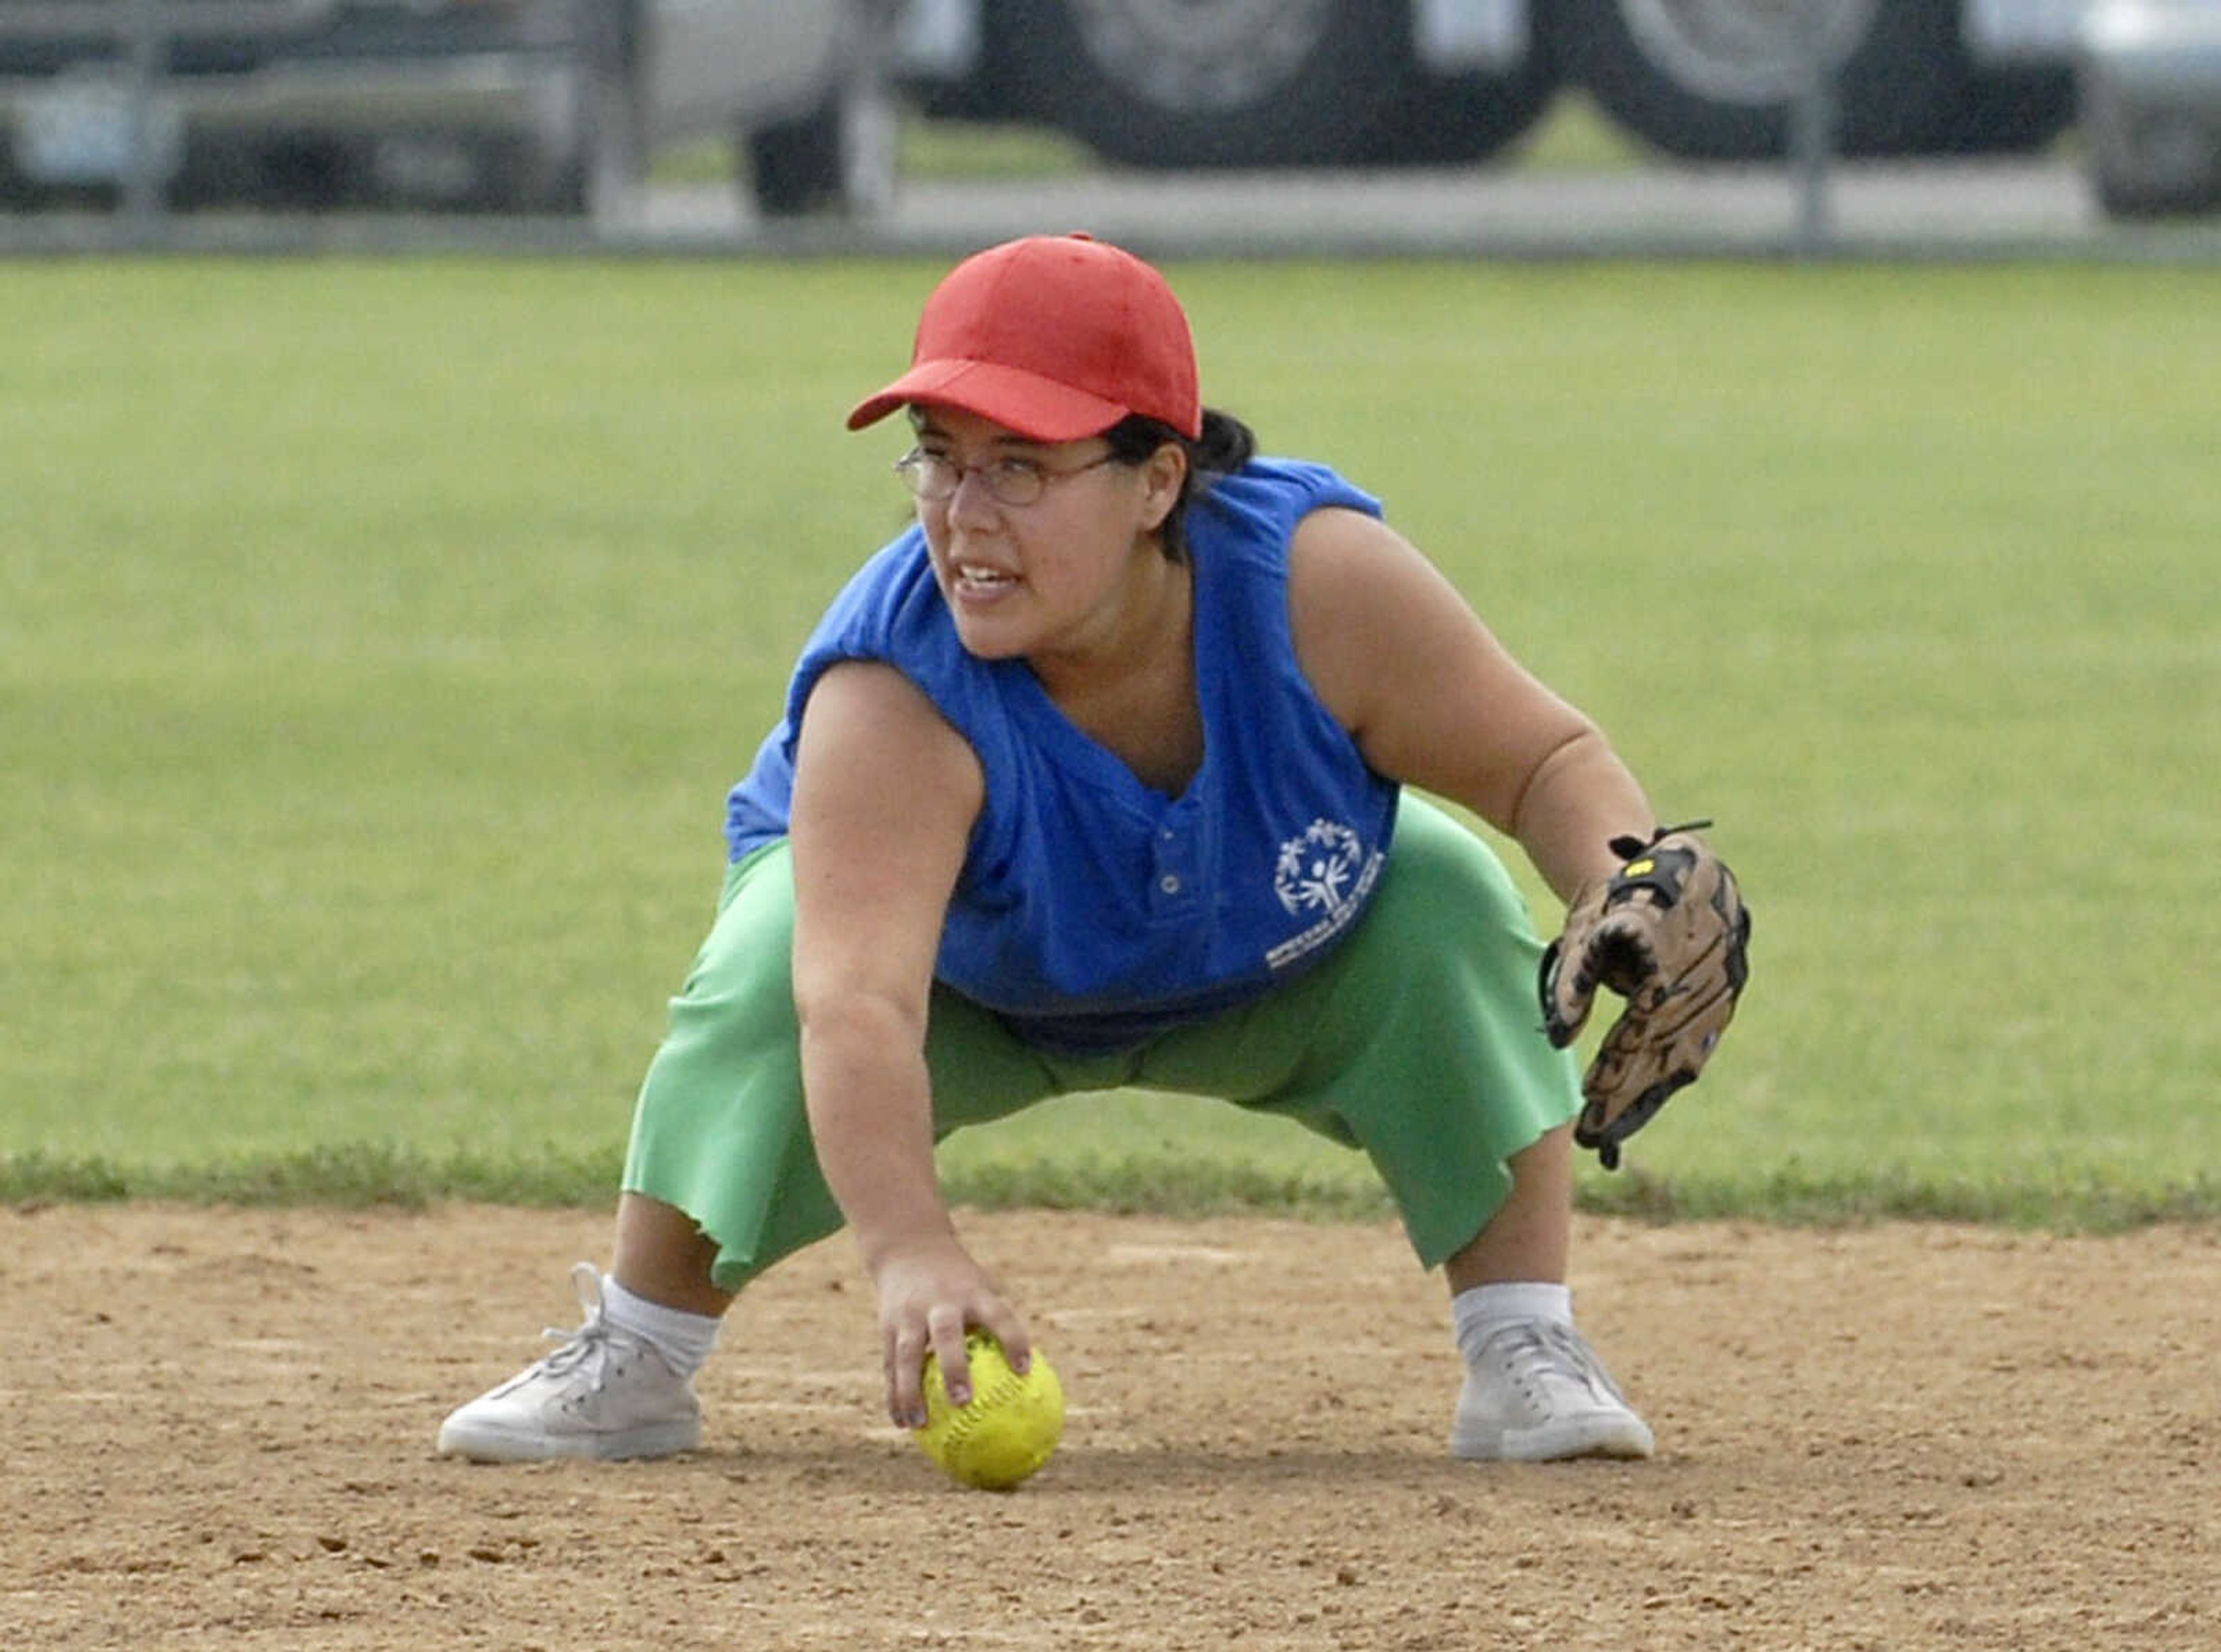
{"x": 378, "y": 640}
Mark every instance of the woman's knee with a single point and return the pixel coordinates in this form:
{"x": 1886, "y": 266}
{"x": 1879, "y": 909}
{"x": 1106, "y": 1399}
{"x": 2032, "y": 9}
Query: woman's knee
{"x": 1453, "y": 885}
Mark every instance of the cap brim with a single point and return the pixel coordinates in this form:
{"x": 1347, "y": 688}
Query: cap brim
{"x": 1033, "y": 406}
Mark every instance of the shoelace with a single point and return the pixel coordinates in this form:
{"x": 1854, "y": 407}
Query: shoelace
{"x": 1537, "y": 1353}
{"x": 582, "y": 1341}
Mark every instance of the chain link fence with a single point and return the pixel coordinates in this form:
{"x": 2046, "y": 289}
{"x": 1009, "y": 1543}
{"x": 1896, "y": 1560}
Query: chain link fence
{"x": 149, "y": 125}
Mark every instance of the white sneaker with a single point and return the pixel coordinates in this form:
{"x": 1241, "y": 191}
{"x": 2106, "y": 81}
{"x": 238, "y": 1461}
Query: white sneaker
{"x": 1534, "y": 1391}
{"x": 603, "y": 1394}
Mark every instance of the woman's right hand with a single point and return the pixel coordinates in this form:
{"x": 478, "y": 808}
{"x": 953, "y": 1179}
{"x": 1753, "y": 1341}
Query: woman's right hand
{"x": 886, "y": 796}
{"x": 930, "y": 1292}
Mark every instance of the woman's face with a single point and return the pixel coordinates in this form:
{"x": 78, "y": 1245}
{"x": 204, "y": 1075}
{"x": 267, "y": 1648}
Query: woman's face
{"x": 1062, "y": 575}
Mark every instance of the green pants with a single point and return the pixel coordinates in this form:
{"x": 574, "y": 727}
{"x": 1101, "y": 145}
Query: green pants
{"x": 1419, "y": 1041}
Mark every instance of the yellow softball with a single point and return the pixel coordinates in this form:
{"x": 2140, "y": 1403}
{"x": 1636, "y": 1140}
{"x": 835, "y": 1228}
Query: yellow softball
{"x": 1009, "y": 1428}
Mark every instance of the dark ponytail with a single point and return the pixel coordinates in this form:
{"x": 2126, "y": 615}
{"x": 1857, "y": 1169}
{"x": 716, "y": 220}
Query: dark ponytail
{"x": 1225, "y": 445}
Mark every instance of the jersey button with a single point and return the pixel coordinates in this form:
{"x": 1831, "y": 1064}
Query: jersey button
{"x": 1169, "y": 883}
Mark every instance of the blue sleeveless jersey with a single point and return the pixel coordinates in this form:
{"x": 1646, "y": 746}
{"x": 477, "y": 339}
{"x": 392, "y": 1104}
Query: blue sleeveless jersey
{"x": 1093, "y": 912}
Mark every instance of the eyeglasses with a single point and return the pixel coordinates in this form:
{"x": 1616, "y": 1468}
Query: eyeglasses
{"x": 1012, "y": 481}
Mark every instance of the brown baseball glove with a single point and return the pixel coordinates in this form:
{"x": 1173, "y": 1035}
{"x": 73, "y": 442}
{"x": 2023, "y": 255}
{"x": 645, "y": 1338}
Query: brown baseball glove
{"x": 1667, "y": 931}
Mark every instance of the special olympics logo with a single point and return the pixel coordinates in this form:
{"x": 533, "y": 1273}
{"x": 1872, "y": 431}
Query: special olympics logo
{"x": 1318, "y": 871}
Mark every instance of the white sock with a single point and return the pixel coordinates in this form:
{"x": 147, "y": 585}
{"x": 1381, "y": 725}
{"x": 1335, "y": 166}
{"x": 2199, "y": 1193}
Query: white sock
{"x": 683, "y": 1339}
{"x": 1481, "y": 1310}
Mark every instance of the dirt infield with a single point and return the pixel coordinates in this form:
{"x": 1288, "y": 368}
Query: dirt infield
{"x": 1886, "y": 1438}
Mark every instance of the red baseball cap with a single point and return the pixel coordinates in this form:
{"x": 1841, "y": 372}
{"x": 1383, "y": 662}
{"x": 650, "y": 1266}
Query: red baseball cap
{"x": 1056, "y": 337}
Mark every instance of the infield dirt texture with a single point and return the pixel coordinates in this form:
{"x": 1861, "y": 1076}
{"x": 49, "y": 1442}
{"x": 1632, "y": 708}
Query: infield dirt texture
{"x": 1878, "y": 1438}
